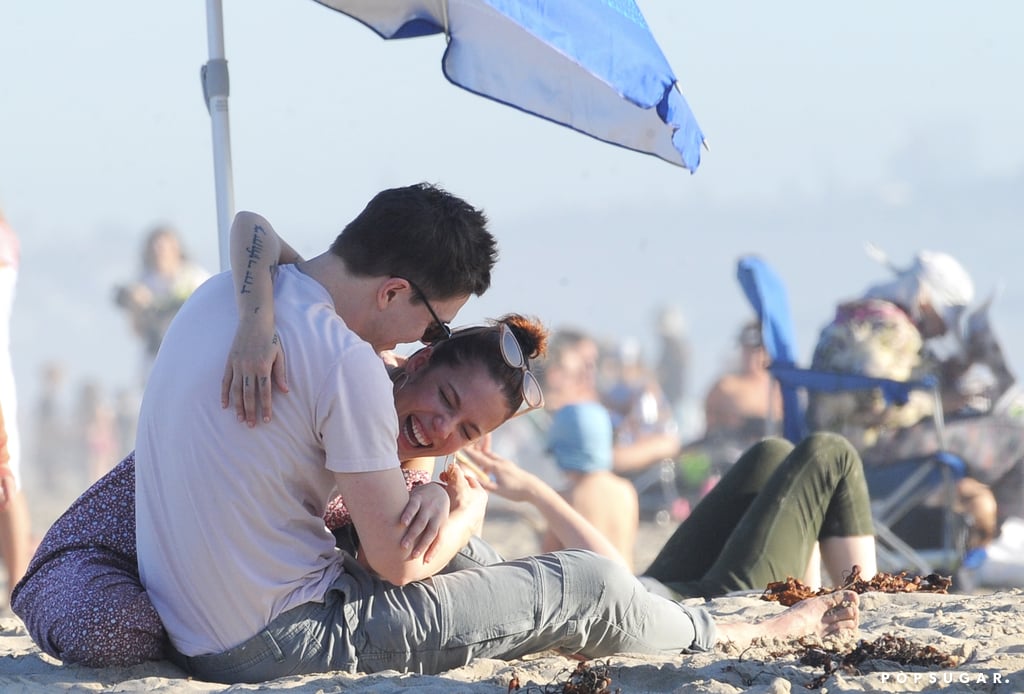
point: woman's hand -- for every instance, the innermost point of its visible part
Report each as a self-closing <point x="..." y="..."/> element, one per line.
<point x="424" y="515"/>
<point x="255" y="363"/>
<point x="506" y="479"/>
<point x="468" y="497"/>
<point x="256" y="360"/>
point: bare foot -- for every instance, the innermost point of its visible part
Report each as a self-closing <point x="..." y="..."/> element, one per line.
<point x="820" y="616"/>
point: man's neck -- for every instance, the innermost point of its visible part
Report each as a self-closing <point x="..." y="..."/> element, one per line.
<point x="354" y="297"/>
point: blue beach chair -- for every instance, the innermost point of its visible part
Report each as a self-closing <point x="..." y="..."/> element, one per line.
<point x="897" y="488"/>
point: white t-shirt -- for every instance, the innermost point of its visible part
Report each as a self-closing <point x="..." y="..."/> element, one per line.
<point x="229" y="519"/>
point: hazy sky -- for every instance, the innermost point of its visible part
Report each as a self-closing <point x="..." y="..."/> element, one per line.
<point x="829" y="125"/>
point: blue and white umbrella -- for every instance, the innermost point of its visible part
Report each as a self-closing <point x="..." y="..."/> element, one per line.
<point x="591" y="65"/>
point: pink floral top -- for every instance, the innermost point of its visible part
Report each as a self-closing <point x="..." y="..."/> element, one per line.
<point x="337" y="515"/>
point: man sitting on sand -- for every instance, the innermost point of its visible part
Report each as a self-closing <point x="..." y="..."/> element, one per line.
<point x="232" y="546"/>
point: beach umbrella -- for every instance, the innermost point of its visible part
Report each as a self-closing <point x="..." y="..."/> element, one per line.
<point x="591" y="65"/>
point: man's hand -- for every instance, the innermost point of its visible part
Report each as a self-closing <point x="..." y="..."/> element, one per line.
<point x="255" y="363"/>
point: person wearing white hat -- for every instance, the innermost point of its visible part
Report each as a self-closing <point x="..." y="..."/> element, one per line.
<point x="893" y="331"/>
<point x="934" y="292"/>
<point x="905" y="328"/>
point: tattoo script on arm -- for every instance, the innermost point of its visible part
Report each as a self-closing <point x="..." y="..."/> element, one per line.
<point x="255" y="252"/>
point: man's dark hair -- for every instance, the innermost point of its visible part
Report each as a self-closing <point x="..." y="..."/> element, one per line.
<point x="423" y="234"/>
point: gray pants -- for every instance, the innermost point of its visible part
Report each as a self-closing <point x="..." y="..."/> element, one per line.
<point x="574" y="601"/>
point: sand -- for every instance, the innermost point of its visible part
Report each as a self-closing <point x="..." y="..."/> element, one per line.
<point x="984" y="632"/>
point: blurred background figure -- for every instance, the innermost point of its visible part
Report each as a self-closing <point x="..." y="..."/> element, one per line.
<point x="742" y="406"/>
<point x="580" y="438"/>
<point x="126" y="414"/>
<point x="903" y="328"/>
<point x="915" y="324"/>
<point x="168" y="277"/>
<point x="672" y="368"/>
<point x="97" y="437"/>
<point x="642" y="416"/>
<point x="745" y="403"/>
<point x="15" y="524"/>
<point x="646" y="433"/>
<point x="50" y="449"/>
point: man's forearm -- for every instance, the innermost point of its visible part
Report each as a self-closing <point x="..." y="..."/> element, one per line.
<point x="451" y="538"/>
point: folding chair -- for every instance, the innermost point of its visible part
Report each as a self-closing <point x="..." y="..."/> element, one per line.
<point x="896" y="488"/>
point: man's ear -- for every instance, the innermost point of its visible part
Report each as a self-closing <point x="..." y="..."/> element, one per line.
<point x="418" y="359"/>
<point x="389" y="289"/>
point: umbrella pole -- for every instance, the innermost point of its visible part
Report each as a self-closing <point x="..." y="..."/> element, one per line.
<point x="214" y="75"/>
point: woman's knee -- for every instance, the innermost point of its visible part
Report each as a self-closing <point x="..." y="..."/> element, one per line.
<point x="614" y="612"/>
<point x="126" y="631"/>
<point x="838" y="473"/>
<point x="86" y="608"/>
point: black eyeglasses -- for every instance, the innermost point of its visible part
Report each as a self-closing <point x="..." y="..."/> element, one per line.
<point x="513" y="356"/>
<point x="434" y="333"/>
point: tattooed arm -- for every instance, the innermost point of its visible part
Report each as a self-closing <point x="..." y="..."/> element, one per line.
<point x="256" y="360"/>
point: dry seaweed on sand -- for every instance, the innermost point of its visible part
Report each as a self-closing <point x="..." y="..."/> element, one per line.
<point x="888" y="647"/>
<point x="792" y="590"/>
<point x="584" y="679"/>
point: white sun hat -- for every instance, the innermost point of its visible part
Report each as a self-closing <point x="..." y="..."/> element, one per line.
<point x="943" y="280"/>
<point x="950" y="289"/>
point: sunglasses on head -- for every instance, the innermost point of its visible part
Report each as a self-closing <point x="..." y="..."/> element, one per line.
<point x="513" y="356"/>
